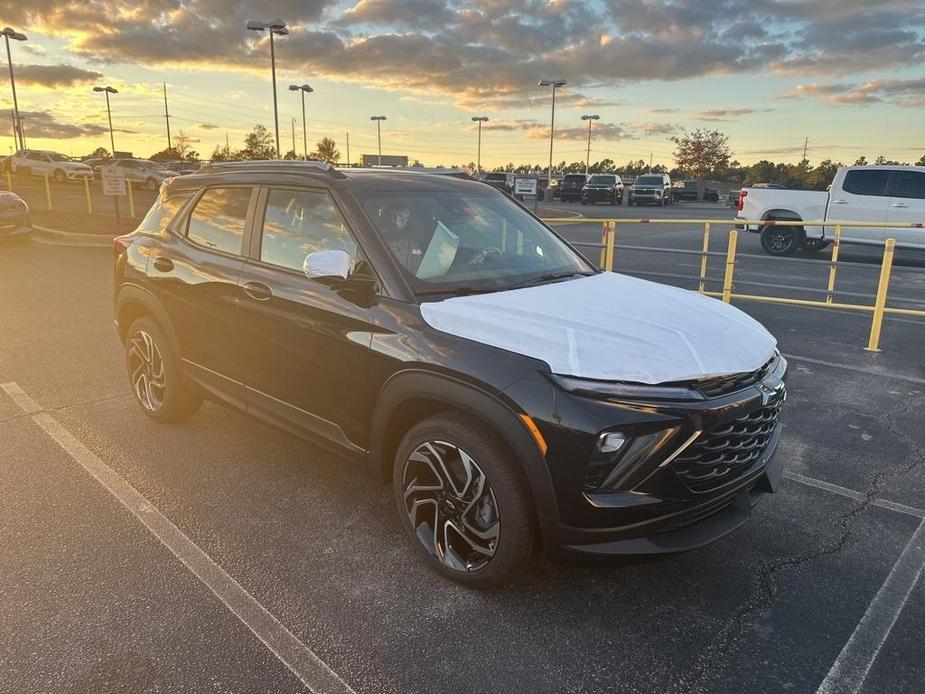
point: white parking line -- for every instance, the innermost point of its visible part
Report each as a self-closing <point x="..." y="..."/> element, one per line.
<point x="850" y="669"/>
<point x="294" y="654"/>
<point x="851" y="494"/>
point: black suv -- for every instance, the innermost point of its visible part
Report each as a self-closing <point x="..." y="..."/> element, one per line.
<point x="572" y="186"/>
<point x="603" y="188"/>
<point x="687" y="191"/>
<point x="441" y="337"/>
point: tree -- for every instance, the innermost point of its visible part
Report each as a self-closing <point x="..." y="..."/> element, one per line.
<point x="169" y="154"/>
<point x="700" y="153"/>
<point x="181" y="145"/>
<point x="326" y="150"/>
<point x="103" y="152"/>
<point x="258" y="144"/>
<point x="290" y="155"/>
<point x="224" y="153"/>
<point x="861" y="161"/>
<point x="921" y="162"/>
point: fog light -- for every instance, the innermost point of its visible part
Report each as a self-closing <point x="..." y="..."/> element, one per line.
<point x="610" y="442"/>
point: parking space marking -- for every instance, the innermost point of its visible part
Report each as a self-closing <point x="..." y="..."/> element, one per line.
<point x="858" y="369"/>
<point x="850" y="669"/>
<point x="294" y="654"/>
<point x="851" y="494"/>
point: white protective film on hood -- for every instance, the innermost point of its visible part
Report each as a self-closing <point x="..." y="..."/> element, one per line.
<point x="611" y="327"/>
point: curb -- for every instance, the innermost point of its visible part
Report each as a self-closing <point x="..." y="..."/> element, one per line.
<point x="68" y="238"/>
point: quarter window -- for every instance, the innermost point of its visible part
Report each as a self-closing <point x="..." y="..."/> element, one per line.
<point x="866" y="181"/>
<point x="217" y="222"/>
<point x="911" y="185"/>
<point x="299" y="222"/>
<point x="161" y="213"/>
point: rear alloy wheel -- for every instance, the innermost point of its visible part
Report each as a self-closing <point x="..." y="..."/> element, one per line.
<point x="781" y="241"/>
<point x="157" y="384"/>
<point x="462" y="501"/>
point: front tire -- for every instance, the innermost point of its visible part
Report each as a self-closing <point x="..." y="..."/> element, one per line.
<point x="160" y="389"/>
<point x="781" y="241"/>
<point x="463" y="501"/>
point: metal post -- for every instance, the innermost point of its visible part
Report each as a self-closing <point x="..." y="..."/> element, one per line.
<point x="830" y="290"/>
<point x="605" y="226"/>
<point x="552" y="130"/>
<point x="275" y="111"/>
<point x="9" y="57"/>
<point x="478" y="156"/>
<point x="876" y="324"/>
<point x="730" y="265"/>
<point x="611" y="243"/>
<point x="112" y="139"/>
<point x="47" y="192"/>
<point x="588" y="158"/>
<point x="348" y="147"/>
<point x="304" y="130"/>
<point x="131" y="199"/>
<point x="703" y="258"/>
<point x="87" y="193"/>
<point x="9" y="181"/>
<point x="166" y="118"/>
<point x="379" y="139"/>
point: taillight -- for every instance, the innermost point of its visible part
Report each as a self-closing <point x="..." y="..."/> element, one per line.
<point x="120" y="245"/>
<point x="741" y="203"/>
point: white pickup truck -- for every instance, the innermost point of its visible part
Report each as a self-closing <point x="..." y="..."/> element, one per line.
<point x="880" y="195"/>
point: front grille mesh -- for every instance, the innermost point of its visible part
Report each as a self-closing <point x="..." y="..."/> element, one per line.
<point x="723" y="453"/>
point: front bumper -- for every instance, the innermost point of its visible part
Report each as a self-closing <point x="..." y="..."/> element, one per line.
<point x="599" y="194"/>
<point x="14" y="225"/>
<point x="645" y="196"/>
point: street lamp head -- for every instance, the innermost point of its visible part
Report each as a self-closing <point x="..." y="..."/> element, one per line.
<point x="377" y="118"/>
<point x="111" y="90"/>
<point x="591" y="117"/>
<point x="300" y="88"/>
<point x="13" y="34"/>
<point x="277" y="26"/>
<point x="481" y="119"/>
<point x="551" y="83"/>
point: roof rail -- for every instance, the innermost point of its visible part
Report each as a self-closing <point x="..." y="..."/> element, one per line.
<point x="271" y="165"/>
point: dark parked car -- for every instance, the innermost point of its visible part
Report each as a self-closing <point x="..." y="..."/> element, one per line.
<point x="374" y="312"/>
<point x="571" y="187"/>
<point x="14" y="216"/>
<point x="603" y="188"/>
<point x="500" y="180"/>
<point x="687" y="191"/>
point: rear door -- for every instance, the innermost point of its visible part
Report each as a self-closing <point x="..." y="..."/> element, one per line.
<point x="194" y="272"/>
<point x="907" y="206"/>
<point x="861" y="197"/>
<point x="306" y="343"/>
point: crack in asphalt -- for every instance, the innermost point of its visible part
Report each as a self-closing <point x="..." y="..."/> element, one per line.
<point x="704" y="672"/>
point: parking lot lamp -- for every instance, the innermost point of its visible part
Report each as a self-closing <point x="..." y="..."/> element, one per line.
<point x="277" y="27"/>
<point x="478" y="159"/>
<point x="107" y="90"/>
<point x="555" y="84"/>
<point x="589" y="118"/>
<point x="379" y="120"/>
<point x="8" y="34"/>
<point x="305" y="89"/>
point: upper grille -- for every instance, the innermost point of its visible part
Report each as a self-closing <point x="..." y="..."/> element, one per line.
<point x="723" y="385"/>
<point x="723" y="453"/>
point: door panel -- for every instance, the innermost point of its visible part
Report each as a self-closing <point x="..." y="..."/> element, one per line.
<point x="907" y="206"/>
<point x="306" y="345"/>
<point x="862" y="198"/>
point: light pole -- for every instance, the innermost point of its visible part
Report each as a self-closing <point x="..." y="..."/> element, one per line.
<point x="8" y="34"/>
<point x="107" y="91"/>
<point x="278" y="27"/>
<point x="555" y="84"/>
<point x="589" y="118"/>
<point x="479" y="120"/>
<point x="305" y="89"/>
<point x="379" y="120"/>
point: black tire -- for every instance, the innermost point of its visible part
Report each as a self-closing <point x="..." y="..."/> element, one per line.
<point x="781" y="241"/>
<point x="503" y="498"/>
<point x="175" y="400"/>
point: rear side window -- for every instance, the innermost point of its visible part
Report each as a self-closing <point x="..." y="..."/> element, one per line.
<point x="911" y="185"/>
<point x="217" y="221"/>
<point x="867" y="181"/>
<point x="299" y="222"/>
<point x="162" y="212"/>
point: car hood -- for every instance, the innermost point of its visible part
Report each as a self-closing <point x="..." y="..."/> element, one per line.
<point x="611" y="327"/>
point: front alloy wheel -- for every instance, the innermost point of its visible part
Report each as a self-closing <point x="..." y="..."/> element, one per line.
<point x="146" y="369"/>
<point x="451" y="506"/>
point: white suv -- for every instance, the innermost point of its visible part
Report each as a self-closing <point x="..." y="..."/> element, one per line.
<point x="45" y="163"/>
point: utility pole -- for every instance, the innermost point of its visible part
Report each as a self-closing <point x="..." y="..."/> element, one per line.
<point x="478" y="156"/>
<point x="167" y="117"/>
<point x="8" y="34"/>
<point x="277" y="27"/>
<point x="379" y="120"/>
<point x="555" y="84"/>
<point x="293" y="138"/>
<point x="348" y="148"/>
<point x="589" y="118"/>
<point x="650" y="162"/>
<point x="805" y="146"/>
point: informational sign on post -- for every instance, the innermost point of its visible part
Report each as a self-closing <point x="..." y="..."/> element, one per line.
<point x="525" y="186"/>
<point x="113" y="178"/>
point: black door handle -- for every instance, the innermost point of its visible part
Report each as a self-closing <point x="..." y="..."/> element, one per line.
<point x="257" y="291"/>
<point x="163" y="264"/>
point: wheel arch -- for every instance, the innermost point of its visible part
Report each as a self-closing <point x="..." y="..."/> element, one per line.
<point x="782" y="214"/>
<point x="133" y="302"/>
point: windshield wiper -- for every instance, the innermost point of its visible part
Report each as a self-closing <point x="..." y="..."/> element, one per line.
<point x="550" y="277"/>
<point x="459" y="291"/>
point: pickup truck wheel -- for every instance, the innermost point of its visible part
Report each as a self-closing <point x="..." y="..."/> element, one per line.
<point x="781" y="241"/>
<point x="462" y="501"/>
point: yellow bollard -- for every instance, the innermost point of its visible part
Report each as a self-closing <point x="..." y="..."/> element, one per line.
<point x="611" y="242"/>
<point x="830" y="290"/>
<point x="87" y="193"/>
<point x="877" y="323"/>
<point x="730" y="265"/>
<point x="131" y="199"/>
<point x="9" y="181"/>
<point x="48" y="193"/>
<point x="703" y="258"/>
<point x="605" y="229"/>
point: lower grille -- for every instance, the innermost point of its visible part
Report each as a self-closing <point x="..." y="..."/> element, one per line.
<point x="725" y="452"/>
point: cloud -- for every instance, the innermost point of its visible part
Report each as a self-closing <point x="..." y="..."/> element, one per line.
<point x="901" y="92"/>
<point x="54" y="75"/>
<point x="727" y="114"/>
<point x="814" y="89"/>
<point x="42" y="124"/>
<point x="650" y="128"/>
<point x="208" y="126"/>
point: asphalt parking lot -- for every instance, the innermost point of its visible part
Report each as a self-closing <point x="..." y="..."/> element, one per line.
<point x="224" y="555"/>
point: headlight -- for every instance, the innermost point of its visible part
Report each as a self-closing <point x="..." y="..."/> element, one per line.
<point x="617" y="390"/>
<point x="620" y="457"/>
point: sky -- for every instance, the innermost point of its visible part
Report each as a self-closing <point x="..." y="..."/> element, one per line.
<point x="848" y="75"/>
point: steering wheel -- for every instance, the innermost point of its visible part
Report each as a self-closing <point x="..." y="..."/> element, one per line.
<point x="485" y="254"/>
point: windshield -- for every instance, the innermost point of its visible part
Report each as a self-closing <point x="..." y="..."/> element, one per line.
<point x="58" y="157"/>
<point x="465" y="242"/>
<point x="574" y="179"/>
<point x="602" y="180"/>
<point x="650" y="181"/>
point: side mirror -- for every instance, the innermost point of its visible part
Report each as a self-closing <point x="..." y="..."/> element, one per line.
<point x="333" y="264"/>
